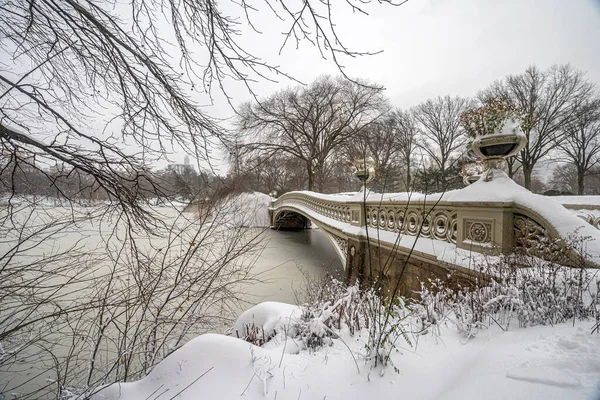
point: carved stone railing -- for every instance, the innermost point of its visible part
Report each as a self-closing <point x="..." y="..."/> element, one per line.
<point x="436" y="221"/>
<point x="427" y="219"/>
<point x="336" y="210"/>
<point x="468" y="226"/>
<point x="490" y="227"/>
<point x="532" y="238"/>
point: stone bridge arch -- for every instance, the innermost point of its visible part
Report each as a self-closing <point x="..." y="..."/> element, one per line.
<point x="292" y="218"/>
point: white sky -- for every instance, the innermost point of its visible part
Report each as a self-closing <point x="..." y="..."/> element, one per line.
<point x="430" y="47"/>
<point x="438" y="47"/>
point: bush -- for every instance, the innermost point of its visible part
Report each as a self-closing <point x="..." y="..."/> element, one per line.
<point x="541" y="294"/>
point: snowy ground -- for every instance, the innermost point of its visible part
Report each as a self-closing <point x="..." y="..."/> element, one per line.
<point x="543" y="362"/>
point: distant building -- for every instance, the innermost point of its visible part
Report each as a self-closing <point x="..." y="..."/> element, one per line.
<point x="181" y="168"/>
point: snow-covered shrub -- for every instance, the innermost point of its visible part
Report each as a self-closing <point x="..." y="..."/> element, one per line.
<point x="332" y="307"/>
<point x="390" y="322"/>
<point x="253" y="334"/>
<point x="433" y="307"/>
<point x="525" y="289"/>
<point x="596" y="328"/>
<point x="335" y="308"/>
<point x="265" y="321"/>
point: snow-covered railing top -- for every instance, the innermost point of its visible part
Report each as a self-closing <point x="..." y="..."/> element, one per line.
<point x="578" y="202"/>
<point x="485" y="217"/>
<point x="585" y="207"/>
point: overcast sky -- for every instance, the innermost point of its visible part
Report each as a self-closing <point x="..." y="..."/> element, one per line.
<point x="438" y="47"/>
<point x="430" y="47"/>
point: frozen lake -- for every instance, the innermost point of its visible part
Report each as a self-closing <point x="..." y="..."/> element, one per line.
<point x="95" y="251"/>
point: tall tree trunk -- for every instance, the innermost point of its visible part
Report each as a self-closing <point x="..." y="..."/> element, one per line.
<point x="311" y="177"/>
<point x="580" y="182"/>
<point x="527" y="172"/>
<point x="510" y="163"/>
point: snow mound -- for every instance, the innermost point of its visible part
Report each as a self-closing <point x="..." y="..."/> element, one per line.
<point x="269" y="317"/>
<point x="244" y="210"/>
<point x="542" y="362"/>
<point x="210" y="366"/>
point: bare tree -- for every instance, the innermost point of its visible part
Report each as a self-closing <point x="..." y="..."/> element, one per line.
<point x="441" y="132"/>
<point x="338" y="176"/>
<point x="91" y="92"/>
<point x="280" y="173"/>
<point x="310" y="122"/>
<point x="580" y="142"/>
<point x="406" y="131"/>
<point x="545" y="100"/>
<point x="563" y="179"/>
<point x="379" y="141"/>
<point x="94" y="61"/>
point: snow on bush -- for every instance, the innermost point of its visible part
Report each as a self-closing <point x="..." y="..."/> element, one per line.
<point x="540" y="294"/>
<point x="333" y="310"/>
<point x="356" y="326"/>
<point x="264" y="321"/>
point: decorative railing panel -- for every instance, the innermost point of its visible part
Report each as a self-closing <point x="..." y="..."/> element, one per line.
<point x="342" y="244"/>
<point x="533" y="239"/>
<point x="337" y="211"/>
<point x="436" y="223"/>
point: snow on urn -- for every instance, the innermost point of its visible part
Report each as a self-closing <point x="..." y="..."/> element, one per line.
<point x="495" y="132"/>
<point x="364" y="169"/>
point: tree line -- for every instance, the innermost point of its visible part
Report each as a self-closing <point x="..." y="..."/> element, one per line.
<point x="303" y="137"/>
<point x="61" y="182"/>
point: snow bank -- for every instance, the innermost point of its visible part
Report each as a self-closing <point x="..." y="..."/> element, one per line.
<point x="210" y="366"/>
<point x="269" y="317"/>
<point x="541" y="362"/>
<point x="244" y="210"/>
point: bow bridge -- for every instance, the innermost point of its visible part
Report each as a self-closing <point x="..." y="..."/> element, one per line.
<point x="448" y="235"/>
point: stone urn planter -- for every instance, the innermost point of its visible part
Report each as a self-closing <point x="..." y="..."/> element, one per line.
<point x="506" y="141"/>
<point x="470" y="153"/>
<point x="364" y="169"/>
<point x="469" y="180"/>
<point x="495" y="133"/>
<point x="472" y="171"/>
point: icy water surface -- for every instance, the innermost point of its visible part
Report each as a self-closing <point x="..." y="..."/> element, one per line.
<point x="283" y="260"/>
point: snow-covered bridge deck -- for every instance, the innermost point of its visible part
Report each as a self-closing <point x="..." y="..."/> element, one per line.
<point x="454" y="230"/>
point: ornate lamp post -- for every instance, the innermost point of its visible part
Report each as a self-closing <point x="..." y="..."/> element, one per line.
<point x="364" y="169"/>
